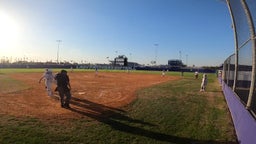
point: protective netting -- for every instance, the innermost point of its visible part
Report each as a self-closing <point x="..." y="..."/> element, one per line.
<point x="239" y="75"/>
<point x="240" y="21"/>
<point x="252" y="6"/>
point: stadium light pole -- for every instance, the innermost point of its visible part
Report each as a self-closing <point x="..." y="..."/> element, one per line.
<point x="58" y="41"/>
<point x="180" y="55"/>
<point x="107" y="58"/>
<point x="186" y="59"/>
<point x="156" y="46"/>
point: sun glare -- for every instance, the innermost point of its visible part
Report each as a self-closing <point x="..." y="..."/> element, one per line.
<point x="9" y="31"/>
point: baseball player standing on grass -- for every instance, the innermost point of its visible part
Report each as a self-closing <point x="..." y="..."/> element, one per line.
<point x="63" y="87"/>
<point x="196" y="75"/>
<point x="163" y="73"/>
<point x="204" y="83"/>
<point x="48" y="78"/>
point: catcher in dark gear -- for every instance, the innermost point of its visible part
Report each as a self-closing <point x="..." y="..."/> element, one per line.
<point x="63" y="87"/>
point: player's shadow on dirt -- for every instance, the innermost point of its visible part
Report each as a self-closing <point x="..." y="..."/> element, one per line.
<point x="117" y="120"/>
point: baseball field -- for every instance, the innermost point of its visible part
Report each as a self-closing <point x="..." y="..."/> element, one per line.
<point x="113" y="107"/>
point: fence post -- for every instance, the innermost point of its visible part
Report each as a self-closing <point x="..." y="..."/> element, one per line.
<point x="228" y="73"/>
<point x="236" y="44"/>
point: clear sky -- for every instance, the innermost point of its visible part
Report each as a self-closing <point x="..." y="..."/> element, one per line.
<point x="197" y="31"/>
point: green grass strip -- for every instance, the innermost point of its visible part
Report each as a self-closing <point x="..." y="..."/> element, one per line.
<point x="8" y="84"/>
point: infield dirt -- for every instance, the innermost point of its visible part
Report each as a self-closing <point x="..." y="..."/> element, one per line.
<point x="92" y="95"/>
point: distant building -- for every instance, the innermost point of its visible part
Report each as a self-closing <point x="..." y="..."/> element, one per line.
<point x="133" y="64"/>
<point x="175" y="64"/>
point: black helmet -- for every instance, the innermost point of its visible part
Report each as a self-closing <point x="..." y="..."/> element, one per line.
<point x="64" y="71"/>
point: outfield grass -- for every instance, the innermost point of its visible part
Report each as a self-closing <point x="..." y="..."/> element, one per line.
<point x="8" y="84"/>
<point x="182" y="111"/>
<point x="173" y="112"/>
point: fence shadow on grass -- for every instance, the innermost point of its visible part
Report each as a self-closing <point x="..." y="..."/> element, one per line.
<point x="117" y="120"/>
<point x="101" y="112"/>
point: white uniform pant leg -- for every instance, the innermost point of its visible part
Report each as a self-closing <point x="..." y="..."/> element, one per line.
<point x="49" y="87"/>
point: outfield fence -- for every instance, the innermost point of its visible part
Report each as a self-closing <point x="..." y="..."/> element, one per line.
<point x="239" y="70"/>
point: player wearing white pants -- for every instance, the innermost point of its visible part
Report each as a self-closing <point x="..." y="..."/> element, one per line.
<point x="204" y="83"/>
<point x="48" y="77"/>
